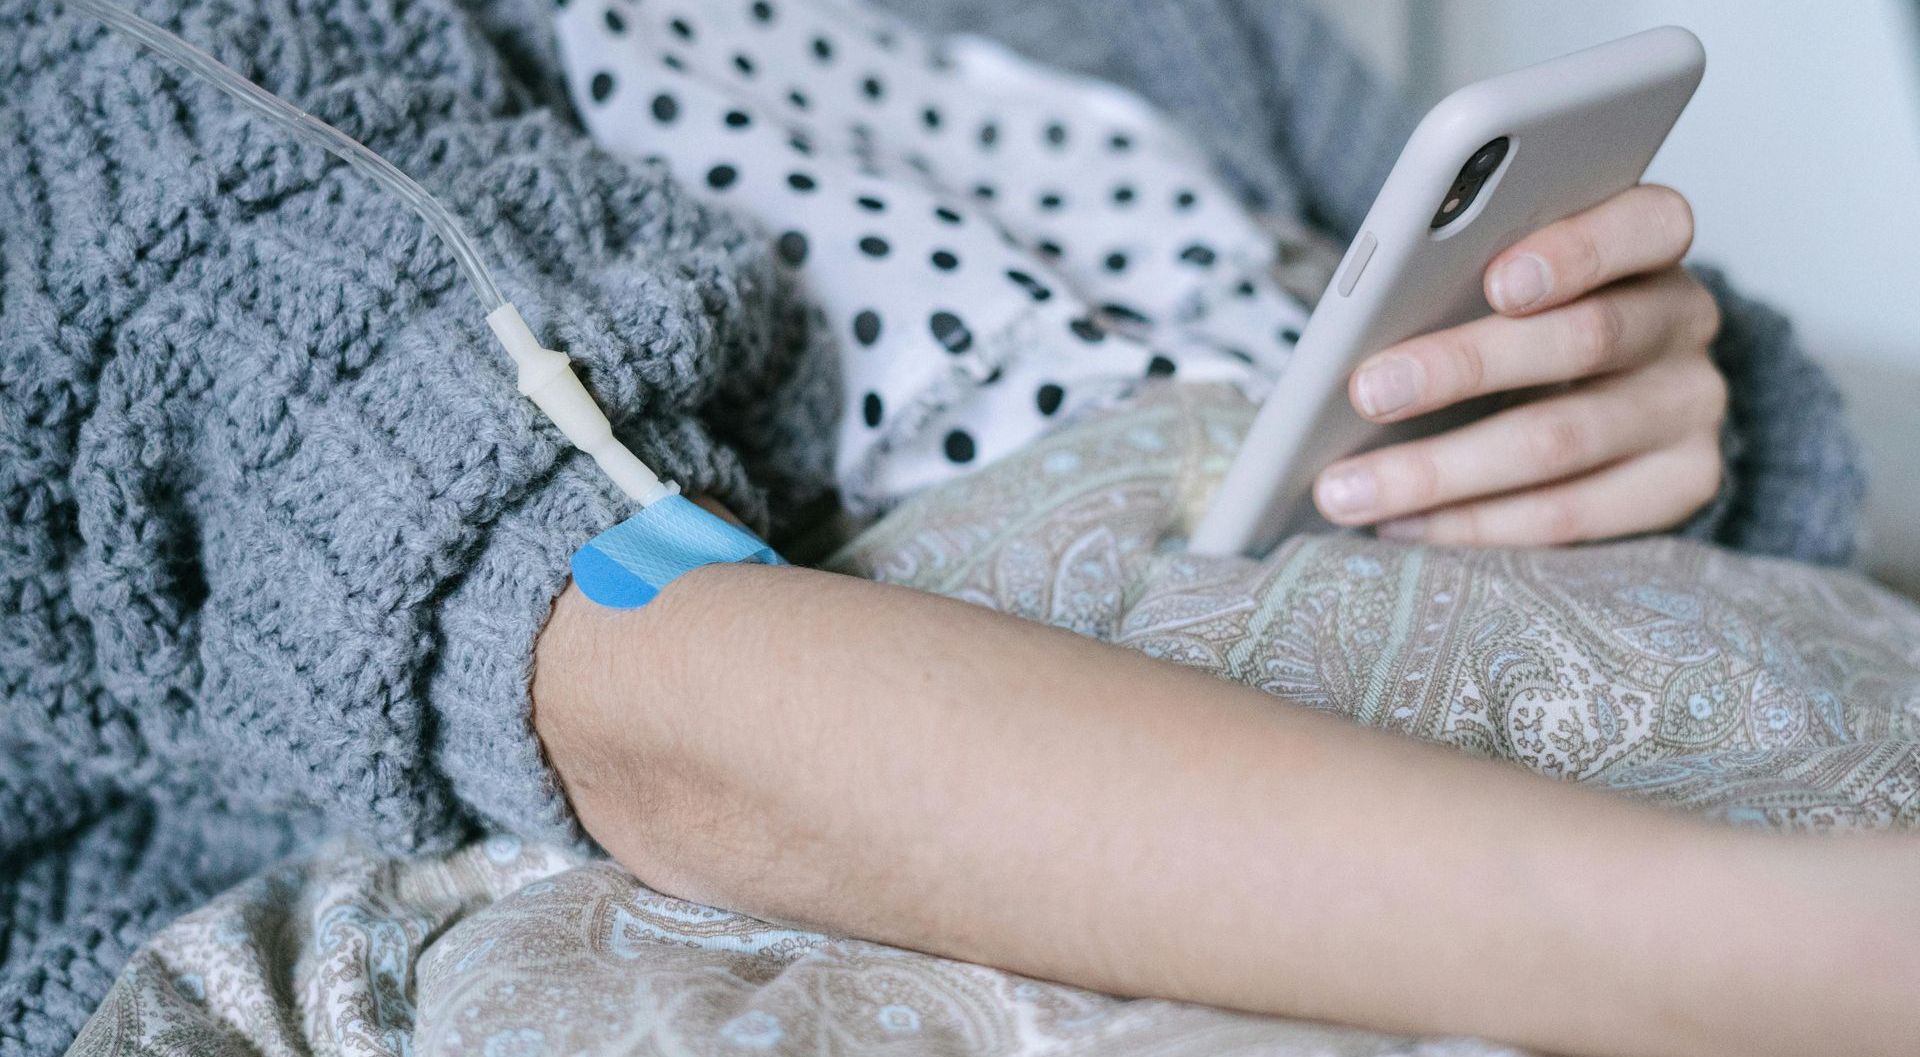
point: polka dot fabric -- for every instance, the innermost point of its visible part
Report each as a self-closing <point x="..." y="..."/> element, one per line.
<point x="996" y="246"/>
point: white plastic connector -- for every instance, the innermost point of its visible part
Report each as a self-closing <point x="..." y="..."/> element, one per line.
<point x="545" y="375"/>
<point x="547" y="378"/>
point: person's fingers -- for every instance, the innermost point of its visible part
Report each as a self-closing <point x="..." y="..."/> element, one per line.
<point x="1547" y="440"/>
<point x="1620" y="327"/>
<point x="1643" y="229"/>
<point x="1647" y="493"/>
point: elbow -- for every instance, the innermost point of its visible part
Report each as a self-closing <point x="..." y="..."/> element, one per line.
<point x="641" y="753"/>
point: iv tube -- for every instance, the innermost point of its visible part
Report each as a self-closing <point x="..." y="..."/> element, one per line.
<point x="311" y="129"/>
<point x="546" y="377"/>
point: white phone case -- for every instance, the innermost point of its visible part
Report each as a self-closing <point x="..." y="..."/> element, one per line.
<point x="1582" y="129"/>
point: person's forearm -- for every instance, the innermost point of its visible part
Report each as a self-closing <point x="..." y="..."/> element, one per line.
<point x="910" y="769"/>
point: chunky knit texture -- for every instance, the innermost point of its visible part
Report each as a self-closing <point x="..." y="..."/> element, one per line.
<point x="276" y="534"/>
<point x="277" y="531"/>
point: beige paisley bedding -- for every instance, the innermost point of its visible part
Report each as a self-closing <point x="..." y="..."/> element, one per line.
<point x="1761" y="692"/>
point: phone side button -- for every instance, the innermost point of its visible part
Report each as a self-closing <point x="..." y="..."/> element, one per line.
<point x="1357" y="262"/>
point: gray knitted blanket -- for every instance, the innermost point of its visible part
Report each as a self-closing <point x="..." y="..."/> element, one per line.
<point x="276" y="535"/>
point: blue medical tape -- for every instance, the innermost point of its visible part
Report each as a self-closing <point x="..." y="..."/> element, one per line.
<point x="625" y="566"/>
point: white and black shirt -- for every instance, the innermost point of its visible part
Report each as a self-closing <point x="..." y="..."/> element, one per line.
<point x="997" y="246"/>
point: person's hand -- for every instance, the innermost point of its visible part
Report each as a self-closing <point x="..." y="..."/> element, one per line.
<point x="1626" y="439"/>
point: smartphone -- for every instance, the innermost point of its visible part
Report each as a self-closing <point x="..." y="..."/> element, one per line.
<point x="1490" y="164"/>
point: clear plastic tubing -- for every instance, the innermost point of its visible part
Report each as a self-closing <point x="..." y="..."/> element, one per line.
<point x="546" y="377"/>
<point x="311" y="129"/>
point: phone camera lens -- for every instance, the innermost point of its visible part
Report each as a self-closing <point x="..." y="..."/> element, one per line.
<point x="1487" y="158"/>
<point x="1472" y="180"/>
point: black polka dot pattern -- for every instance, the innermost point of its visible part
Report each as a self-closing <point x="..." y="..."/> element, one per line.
<point x="1199" y="254"/>
<point x="792" y="248"/>
<point x="1035" y="289"/>
<point x="1048" y="397"/>
<point x="959" y="446"/>
<point x="1077" y="242"/>
<point x="950" y="332"/>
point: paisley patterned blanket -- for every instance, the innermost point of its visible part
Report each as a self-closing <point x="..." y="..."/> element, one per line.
<point x="1761" y="692"/>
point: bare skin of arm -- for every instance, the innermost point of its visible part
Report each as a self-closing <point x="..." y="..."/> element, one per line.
<point x="880" y="762"/>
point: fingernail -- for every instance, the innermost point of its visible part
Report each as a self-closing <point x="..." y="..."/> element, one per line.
<point x="1405" y="530"/>
<point x="1520" y="283"/>
<point x="1347" y="492"/>
<point x="1387" y="385"/>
